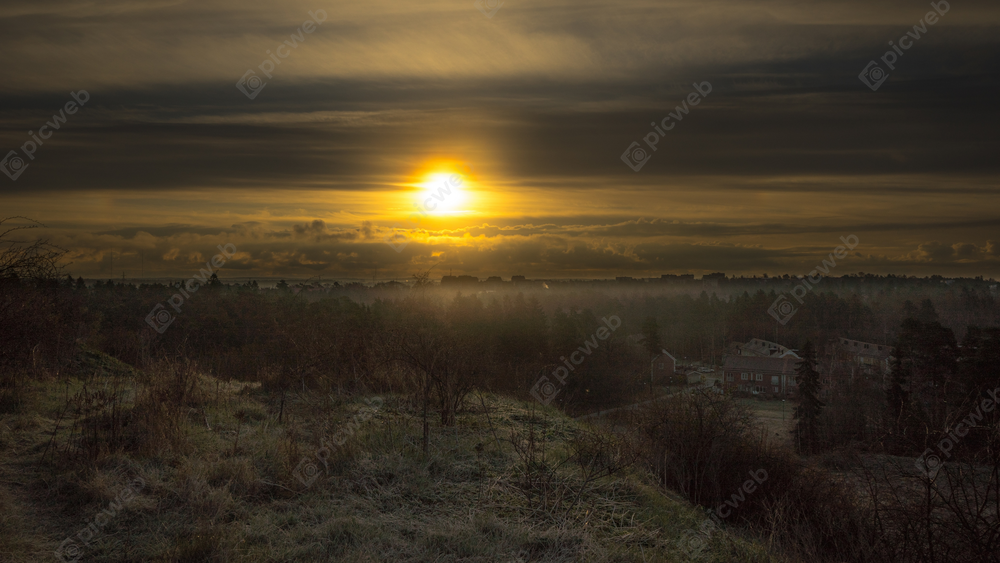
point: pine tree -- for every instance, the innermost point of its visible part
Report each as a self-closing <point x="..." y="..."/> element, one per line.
<point x="927" y="313"/>
<point x="807" y="412"/>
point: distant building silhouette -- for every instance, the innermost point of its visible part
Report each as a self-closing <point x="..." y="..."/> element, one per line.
<point x="675" y="278"/>
<point x="713" y="279"/>
<point x="459" y="280"/>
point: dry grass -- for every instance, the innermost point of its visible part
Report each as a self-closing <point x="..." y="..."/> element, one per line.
<point x="218" y="483"/>
<point x="777" y="419"/>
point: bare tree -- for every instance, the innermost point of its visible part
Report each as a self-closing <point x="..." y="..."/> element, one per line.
<point x="27" y="260"/>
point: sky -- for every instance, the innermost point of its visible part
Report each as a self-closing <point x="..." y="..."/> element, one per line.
<point x="551" y="139"/>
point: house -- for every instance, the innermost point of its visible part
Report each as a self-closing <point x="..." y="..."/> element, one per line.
<point x="761" y="348"/>
<point x="760" y="375"/>
<point x="859" y="357"/>
<point x="662" y="367"/>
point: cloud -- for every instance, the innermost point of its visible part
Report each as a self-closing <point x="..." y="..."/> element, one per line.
<point x="938" y="252"/>
<point x="787" y="153"/>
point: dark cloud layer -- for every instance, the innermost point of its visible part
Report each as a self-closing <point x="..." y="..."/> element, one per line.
<point x="543" y="99"/>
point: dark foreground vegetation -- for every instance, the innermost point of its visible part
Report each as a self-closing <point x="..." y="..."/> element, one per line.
<point x="404" y="424"/>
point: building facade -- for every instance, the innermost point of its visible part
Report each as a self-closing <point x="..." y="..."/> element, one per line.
<point x="662" y="368"/>
<point x="870" y="357"/>
<point x="759" y="375"/>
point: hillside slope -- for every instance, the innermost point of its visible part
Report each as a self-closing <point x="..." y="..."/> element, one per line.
<point x="173" y="465"/>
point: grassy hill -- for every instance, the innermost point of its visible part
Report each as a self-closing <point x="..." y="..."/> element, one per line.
<point x="173" y="465"/>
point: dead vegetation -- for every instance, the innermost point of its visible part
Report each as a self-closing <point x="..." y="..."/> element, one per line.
<point x="215" y="476"/>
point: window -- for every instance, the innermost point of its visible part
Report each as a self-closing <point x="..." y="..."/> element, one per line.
<point x="730" y="377"/>
<point x="774" y="379"/>
<point x="775" y="389"/>
<point x="743" y="376"/>
<point x="760" y="377"/>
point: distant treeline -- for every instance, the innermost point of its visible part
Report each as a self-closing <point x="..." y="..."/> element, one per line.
<point x="344" y="337"/>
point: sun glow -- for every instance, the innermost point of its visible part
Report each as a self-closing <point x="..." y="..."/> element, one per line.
<point x="443" y="189"/>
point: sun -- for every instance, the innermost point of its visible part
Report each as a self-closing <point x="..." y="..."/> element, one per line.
<point x="442" y="193"/>
<point x="443" y="190"/>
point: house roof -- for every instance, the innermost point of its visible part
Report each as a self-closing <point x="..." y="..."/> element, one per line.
<point x="784" y="365"/>
<point x="761" y="347"/>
